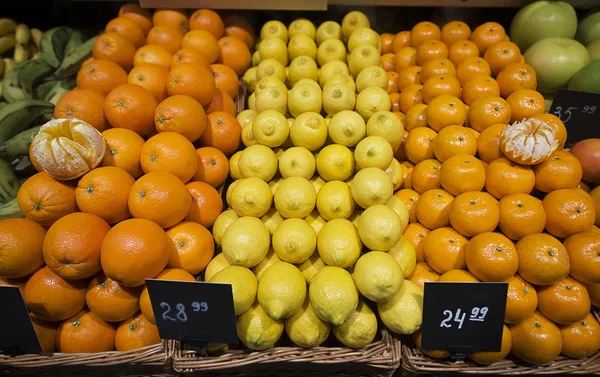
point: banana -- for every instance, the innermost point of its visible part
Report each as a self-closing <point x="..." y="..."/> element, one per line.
<point x="10" y="210"/>
<point x="59" y="89"/>
<point x="8" y="64"/>
<point x="22" y="34"/>
<point x="21" y="53"/>
<point x="19" y="116"/>
<point x="2" y="66"/>
<point x="75" y="40"/>
<point x="73" y="62"/>
<point x="12" y="90"/>
<point x="9" y="184"/>
<point x="31" y="73"/>
<point x="7" y="26"/>
<point x="2" y="104"/>
<point x="53" y="45"/>
<point x="36" y="36"/>
<point x="18" y="145"/>
<point x="42" y="90"/>
<point x="7" y="42"/>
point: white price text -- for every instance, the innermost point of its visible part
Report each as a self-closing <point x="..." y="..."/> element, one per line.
<point x="180" y="313"/>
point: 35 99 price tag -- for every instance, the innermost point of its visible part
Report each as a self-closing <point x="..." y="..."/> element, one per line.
<point x="579" y="111"/>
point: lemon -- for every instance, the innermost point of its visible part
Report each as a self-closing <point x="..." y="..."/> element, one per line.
<point x="371" y="186"/>
<point x="294" y="241"/>
<point x="234" y="170"/>
<point x="255" y="59"/>
<point x="403" y="314"/>
<point x="305" y="329"/>
<point x="398" y="206"/>
<point x="295" y="197"/>
<point x="335" y="162"/>
<point x="359" y="329"/>
<point x="258" y="161"/>
<point x="268" y="82"/>
<point x="251" y="197"/>
<point x="303" y="67"/>
<point x="342" y="78"/>
<point x="378" y="276"/>
<point x="372" y="76"/>
<point x="246" y="117"/>
<point x="311" y="266"/>
<point x="379" y="227"/>
<point x="274" y="184"/>
<point x="331" y="68"/>
<point x="228" y="194"/>
<point x="331" y="49"/>
<point x="257" y="330"/>
<point x="247" y="135"/>
<point x="338" y="243"/>
<point x="302" y="45"/>
<point x="328" y="30"/>
<point x="218" y="263"/>
<point x="309" y="82"/>
<point x="317" y="182"/>
<point x="221" y="223"/>
<point x="394" y="171"/>
<point x="274" y="28"/>
<point x="333" y="295"/>
<point x="270" y="259"/>
<point x="270" y="127"/>
<point x="334" y="201"/>
<point x="272" y="219"/>
<point x="243" y="286"/>
<point x="352" y="21"/>
<point x="315" y="220"/>
<point x="304" y="98"/>
<point x="406" y="256"/>
<point x="250" y="78"/>
<point x="364" y="36"/>
<point x="246" y="242"/>
<point x="279" y="151"/>
<point x="297" y="162"/>
<point x="387" y="125"/>
<point x="273" y="48"/>
<point x="373" y="151"/>
<point x="347" y="128"/>
<point x="302" y="26"/>
<point x="270" y="67"/>
<point x="370" y="101"/>
<point x="309" y="130"/>
<point x="338" y="97"/>
<point x="361" y="58"/>
<point x="252" y="101"/>
<point x="271" y="98"/>
<point x="355" y="217"/>
<point x="281" y="290"/>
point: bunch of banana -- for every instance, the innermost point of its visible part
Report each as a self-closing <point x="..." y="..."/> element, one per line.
<point x="23" y="41"/>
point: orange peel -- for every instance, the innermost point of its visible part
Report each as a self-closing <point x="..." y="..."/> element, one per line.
<point x="529" y="141"/>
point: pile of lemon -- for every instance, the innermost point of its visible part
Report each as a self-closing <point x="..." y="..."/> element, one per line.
<point x="312" y="241"/>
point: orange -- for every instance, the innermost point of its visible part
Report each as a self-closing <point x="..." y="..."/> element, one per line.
<point x="471" y="67"/>
<point x="445" y="110"/>
<point x="21" y="241"/>
<point x="84" y="104"/>
<point x="487" y="111"/>
<point x="419" y="144"/>
<point x="435" y="67"/>
<point x="392" y="82"/>
<point x="559" y="127"/>
<point x="536" y="340"/>
<point x="181" y="114"/>
<point x="562" y="170"/>
<point x="207" y="204"/>
<point x="153" y="54"/>
<point x="166" y="36"/>
<point x="595" y="194"/>
<point x="408" y="76"/>
<point x="110" y="301"/>
<point x="458" y="276"/>
<point x="543" y="260"/>
<point x="410" y="198"/>
<point x="488" y="143"/>
<point x="492" y="357"/>
<point x="226" y="79"/>
<point x="176" y="274"/>
<point x="124" y="148"/>
<point x="132" y="107"/>
<point x="492" y="257"/>
<point x="174" y="18"/>
<point x="473" y="213"/>
<point x="415" y="117"/>
<point x="432" y="209"/>
<point x="386" y="41"/>
<point x="462" y="173"/>
<point x="240" y="28"/>
<point x="85" y="332"/>
<point x="401" y="40"/>
<point x="426" y="176"/>
<point x="416" y="233"/>
<point x="565" y="302"/>
<point x="142" y="17"/>
<point x="45" y="332"/>
<point x="395" y="101"/>
<point x="101" y="76"/>
<point x="452" y="141"/>
<point x="203" y="41"/>
<point x="526" y="103"/>
<point x="388" y="62"/>
<point x="116" y="48"/>
<point x="151" y="77"/>
<point x="422" y="274"/>
<point x="45" y="200"/>
<point x="479" y="87"/>
<point x="504" y="177"/>
<point x="516" y="76"/>
<point x="521" y="300"/>
<point x="455" y="31"/>
<point x="424" y="31"/>
<point x="594" y="291"/>
<point x="417" y="337"/>
<point x="431" y="49"/>
<point x="135" y="249"/>
<point x="407" y="168"/>
<point x="440" y="85"/>
<point x="584" y="254"/>
<point x="460" y="51"/>
<point x="206" y="19"/>
<point x="488" y="34"/>
<point x="405" y="57"/>
<point x="444" y="250"/>
<point x="501" y="54"/>
<point x="521" y="215"/>
<point x="410" y="96"/>
<point x="50" y="297"/>
<point x="222" y="132"/>
<point x="400" y="151"/>
<point x="193" y="247"/>
<point x="213" y="166"/>
<point x="188" y="55"/>
<point x="192" y="80"/>
<point x="581" y="339"/>
<point x="568" y="212"/>
<point x="136" y="332"/>
<point x="127" y="28"/>
<point x="528" y="142"/>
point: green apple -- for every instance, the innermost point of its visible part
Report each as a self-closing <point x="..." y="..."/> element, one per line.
<point x="594" y="50"/>
<point x="543" y="19"/>
<point x="587" y="79"/>
<point x="588" y="29"/>
<point x="555" y="61"/>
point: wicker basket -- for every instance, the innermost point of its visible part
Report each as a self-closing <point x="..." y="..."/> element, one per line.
<point x="414" y="362"/>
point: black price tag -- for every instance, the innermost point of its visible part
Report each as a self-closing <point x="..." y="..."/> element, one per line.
<point x="463" y="317"/>
<point x="579" y="111"/>
<point x="17" y="334"/>
<point x="196" y="313"/>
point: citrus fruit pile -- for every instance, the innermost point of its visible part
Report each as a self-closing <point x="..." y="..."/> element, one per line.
<point x="492" y="195"/>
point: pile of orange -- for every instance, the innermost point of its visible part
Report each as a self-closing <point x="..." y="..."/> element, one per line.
<point x="479" y="214"/>
<point x="160" y="87"/>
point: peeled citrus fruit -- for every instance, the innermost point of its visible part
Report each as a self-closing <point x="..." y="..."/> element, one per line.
<point x="528" y="142"/>
<point x="68" y="148"/>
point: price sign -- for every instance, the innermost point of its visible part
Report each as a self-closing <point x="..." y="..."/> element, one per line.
<point x="463" y="317"/>
<point x="579" y="111"/>
<point x="16" y="330"/>
<point x="195" y="313"/>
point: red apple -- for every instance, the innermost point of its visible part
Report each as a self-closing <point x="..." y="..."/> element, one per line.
<point x="588" y="153"/>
